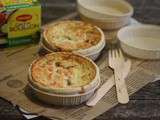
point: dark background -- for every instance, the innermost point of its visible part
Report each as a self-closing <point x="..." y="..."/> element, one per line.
<point x="145" y="104"/>
<point x="146" y="11"/>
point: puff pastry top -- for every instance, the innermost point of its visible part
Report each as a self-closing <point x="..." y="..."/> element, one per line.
<point x="72" y="35"/>
<point x="62" y="70"/>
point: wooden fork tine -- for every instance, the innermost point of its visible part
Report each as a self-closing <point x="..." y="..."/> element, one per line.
<point x="116" y="53"/>
<point x="120" y="53"/>
<point x="112" y="53"/>
<point x="110" y="56"/>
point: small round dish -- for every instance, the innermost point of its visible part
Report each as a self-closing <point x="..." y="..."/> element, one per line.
<point x="105" y="8"/>
<point x="63" y="100"/>
<point x="106" y="14"/>
<point x="141" y="41"/>
<point x="63" y="73"/>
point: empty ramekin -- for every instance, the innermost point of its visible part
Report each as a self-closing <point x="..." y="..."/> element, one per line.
<point x="106" y="14"/>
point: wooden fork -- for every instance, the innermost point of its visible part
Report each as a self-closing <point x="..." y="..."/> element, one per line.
<point x="116" y="62"/>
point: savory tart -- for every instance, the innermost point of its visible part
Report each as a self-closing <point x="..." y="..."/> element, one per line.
<point x="72" y="35"/>
<point x="60" y="71"/>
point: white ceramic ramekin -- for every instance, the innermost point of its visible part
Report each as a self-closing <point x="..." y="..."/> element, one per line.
<point x="102" y="9"/>
<point x="141" y="41"/>
<point x="91" y="11"/>
<point x="63" y="100"/>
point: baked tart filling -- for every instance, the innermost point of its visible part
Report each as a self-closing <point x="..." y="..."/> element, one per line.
<point x="62" y="70"/>
<point x="72" y="35"/>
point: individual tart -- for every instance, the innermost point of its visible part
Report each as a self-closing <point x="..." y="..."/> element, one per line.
<point x="63" y="73"/>
<point x="74" y="35"/>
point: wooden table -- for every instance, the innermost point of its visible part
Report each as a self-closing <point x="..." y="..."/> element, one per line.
<point x="143" y="104"/>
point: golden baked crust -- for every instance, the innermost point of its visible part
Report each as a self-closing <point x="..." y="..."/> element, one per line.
<point x="62" y="70"/>
<point x="72" y="35"/>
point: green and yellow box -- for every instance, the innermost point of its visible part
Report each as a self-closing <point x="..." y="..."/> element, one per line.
<point x="20" y="21"/>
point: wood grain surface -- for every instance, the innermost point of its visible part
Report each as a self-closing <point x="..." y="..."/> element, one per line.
<point x="144" y="105"/>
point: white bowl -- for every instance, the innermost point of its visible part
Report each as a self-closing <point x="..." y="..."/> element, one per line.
<point x="106" y="14"/>
<point x="105" y="8"/>
<point x="63" y="100"/>
<point x="141" y="41"/>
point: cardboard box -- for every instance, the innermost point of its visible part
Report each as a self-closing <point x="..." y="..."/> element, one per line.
<point x="20" y="21"/>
